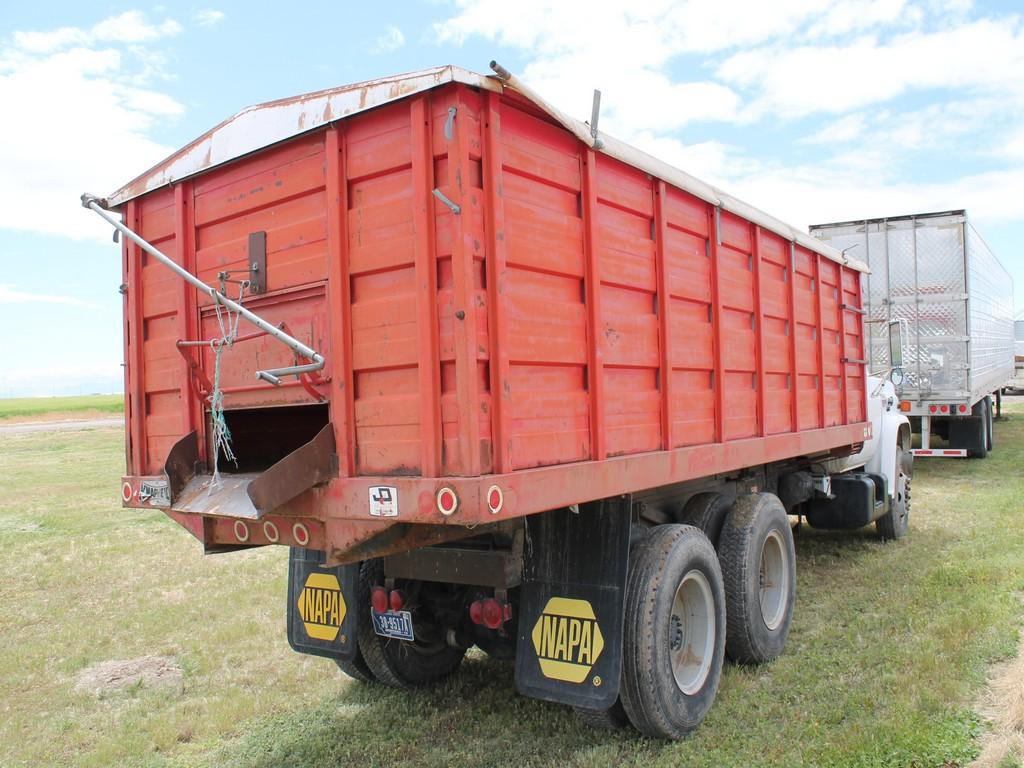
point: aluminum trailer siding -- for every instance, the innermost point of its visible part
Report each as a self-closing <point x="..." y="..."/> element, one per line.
<point x="936" y="273"/>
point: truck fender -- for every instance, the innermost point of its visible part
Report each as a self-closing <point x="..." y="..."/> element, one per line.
<point x="894" y="433"/>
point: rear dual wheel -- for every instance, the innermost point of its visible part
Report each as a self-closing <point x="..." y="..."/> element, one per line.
<point x="674" y="639"/>
<point x="399" y="663"/>
<point x="759" y="568"/>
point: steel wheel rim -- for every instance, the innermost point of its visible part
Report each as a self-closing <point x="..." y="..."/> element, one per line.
<point x="773" y="580"/>
<point x="691" y="632"/>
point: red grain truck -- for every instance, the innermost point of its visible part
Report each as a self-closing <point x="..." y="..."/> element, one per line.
<point x="503" y="381"/>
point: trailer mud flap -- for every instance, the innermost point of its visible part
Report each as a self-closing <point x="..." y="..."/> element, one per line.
<point x="572" y="601"/>
<point x="322" y="611"/>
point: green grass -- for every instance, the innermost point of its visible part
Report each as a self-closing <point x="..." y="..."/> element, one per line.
<point x="24" y="408"/>
<point x="887" y="657"/>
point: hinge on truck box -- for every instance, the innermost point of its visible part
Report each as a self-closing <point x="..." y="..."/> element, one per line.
<point x="257" y="262"/>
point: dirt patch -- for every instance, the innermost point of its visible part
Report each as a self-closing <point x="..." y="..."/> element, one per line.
<point x="112" y="676"/>
<point x="1003" y="705"/>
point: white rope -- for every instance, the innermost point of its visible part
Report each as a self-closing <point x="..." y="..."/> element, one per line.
<point x="228" y="326"/>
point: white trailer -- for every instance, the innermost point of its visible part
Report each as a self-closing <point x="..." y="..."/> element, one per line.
<point x="934" y="273"/>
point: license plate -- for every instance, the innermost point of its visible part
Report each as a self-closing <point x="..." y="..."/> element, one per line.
<point x="396" y="624"/>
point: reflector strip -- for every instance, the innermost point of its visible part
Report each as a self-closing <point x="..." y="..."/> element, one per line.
<point x="953" y="452"/>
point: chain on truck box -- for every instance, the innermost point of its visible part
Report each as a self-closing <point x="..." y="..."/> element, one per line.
<point x="499" y="380"/>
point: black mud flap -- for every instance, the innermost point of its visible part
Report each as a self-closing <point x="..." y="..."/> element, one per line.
<point x="322" y="611"/>
<point x="572" y="602"/>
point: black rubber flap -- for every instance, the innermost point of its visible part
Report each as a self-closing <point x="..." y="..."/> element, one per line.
<point x="570" y="623"/>
<point x="322" y="611"/>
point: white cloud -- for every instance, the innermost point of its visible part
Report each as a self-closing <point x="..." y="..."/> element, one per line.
<point x="209" y="17"/>
<point x="986" y="54"/>
<point x="128" y="27"/>
<point x="10" y="295"/>
<point x="391" y="40"/>
<point x="843" y="130"/>
<point x="98" y="138"/>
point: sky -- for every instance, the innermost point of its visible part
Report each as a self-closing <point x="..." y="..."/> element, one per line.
<point x="814" y="110"/>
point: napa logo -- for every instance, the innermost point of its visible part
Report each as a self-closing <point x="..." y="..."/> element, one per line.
<point x="322" y="606"/>
<point x="567" y="639"/>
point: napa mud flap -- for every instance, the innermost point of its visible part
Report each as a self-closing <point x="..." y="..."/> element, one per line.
<point x="322" y="611"/>
<point x="572" y="602"/>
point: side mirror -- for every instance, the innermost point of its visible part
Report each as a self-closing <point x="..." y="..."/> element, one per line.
<point x="895" y="343"/>
<point x="896" y="353"/>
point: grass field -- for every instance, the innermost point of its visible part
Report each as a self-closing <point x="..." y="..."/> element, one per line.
<point x="20" y="409"/>
<point x="885" y="666"/>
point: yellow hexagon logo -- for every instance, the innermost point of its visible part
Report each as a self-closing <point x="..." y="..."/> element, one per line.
<point x="322" y="606"/>
<point x="567" y="639"/>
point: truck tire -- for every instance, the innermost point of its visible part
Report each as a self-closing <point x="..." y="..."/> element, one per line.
<point x="357" y="668"/>
<point x="707" y="512"/>
<point x="990" y="441"/>
<point x="610" y="719"/>
<point x="759" y="568"/>
<point x="978" y="441"/>
<point x="894" y="523"/>
<point x="674" y="639"/>
<point x="398" y="663"/>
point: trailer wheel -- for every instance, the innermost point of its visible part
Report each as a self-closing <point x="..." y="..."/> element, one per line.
<point x="991" y="422"/>
<point x="398" y="663"/>
<point x="980" y="427"/>
<point x="613" y="718"/>
<point x="895" y="523"/>
<point x="707" y="512"/>
<point x="673" y="643"/>
<point x="759" y="568"/>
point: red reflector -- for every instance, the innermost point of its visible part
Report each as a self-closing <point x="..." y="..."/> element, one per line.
<point x="476" y="612"/>
<point x="447" y="501"/>
<point x="493" y="614"/>
<point x="932" y="408"/>
<point x="495" y="499"/>
<point x="963" y="409"/>
<point x="944" y="408"/>
<point x="396" y="600"/>
<point x="379" y="599"/>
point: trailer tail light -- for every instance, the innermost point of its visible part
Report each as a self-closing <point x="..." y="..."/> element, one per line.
<point x="396" y="600"/>
<point x="933" y="408"/>
<point x="495" y="499"/>
<point x="963" y="409"/>
<point x="905" y="406"/>
<point x="447" y="501"/>
<point x="944" y="408"/>
<point x="379" y="599"/>
<point x="490" y="613"/>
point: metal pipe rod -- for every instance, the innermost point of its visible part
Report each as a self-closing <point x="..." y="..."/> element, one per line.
<point x="93" y="202"/>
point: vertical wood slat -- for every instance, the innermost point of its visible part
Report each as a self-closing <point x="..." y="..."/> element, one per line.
<point x="136" y="360"/>
<point x="127" y="291"/>
<point x="820" y="345"/>
<point x="188" y="323"/>
<point x="841" y="316"/>
<point x="716" y="323"/>
<point x="464" y="294"/>
<point x="759" y="329"/>
<point x="494" y="222"/>
<point x="664" y="306"/>
<point x="864" y="353"/>
<point x="339" y="300"/>
<point x="425" y="261"/>
<point x="592" y="288"/>
<point x="794" y="378"/>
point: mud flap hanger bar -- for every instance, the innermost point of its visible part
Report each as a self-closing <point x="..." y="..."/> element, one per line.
<point x="273" y="375"/>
